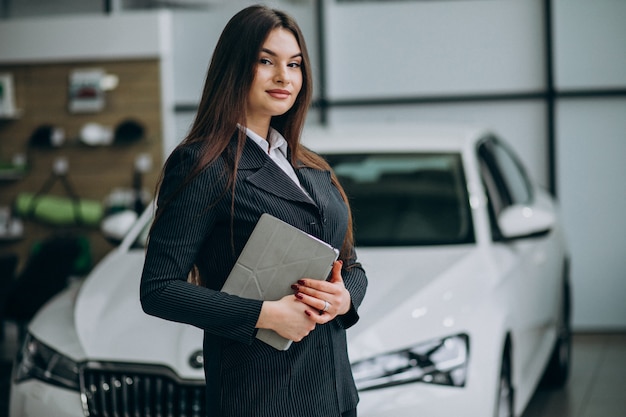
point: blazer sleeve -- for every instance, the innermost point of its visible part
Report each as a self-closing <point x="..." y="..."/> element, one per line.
<point x="175" y="240"/>
<point x="355" y="280"/>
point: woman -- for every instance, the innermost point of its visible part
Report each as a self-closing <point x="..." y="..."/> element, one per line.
<point x="242" y="158"/>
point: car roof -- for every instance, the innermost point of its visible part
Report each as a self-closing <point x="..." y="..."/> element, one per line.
<point x="391" y="137"/>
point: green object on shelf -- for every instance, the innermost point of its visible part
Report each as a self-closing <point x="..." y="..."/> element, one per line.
<point x="59" y="211"/>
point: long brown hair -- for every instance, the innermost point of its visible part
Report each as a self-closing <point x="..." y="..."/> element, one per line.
<point x="228" y="82"/>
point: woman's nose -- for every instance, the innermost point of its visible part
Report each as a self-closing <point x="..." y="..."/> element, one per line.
<point x="281" y="75"/>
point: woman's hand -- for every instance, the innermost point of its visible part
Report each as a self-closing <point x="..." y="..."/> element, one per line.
<point x="288" y="317"/>
<point x="325" y="299"/>
<point x="315" y="302"/>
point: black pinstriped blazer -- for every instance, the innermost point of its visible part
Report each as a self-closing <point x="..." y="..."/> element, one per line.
<point x="245" y="377"/>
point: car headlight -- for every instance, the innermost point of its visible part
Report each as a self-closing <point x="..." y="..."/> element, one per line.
<point x="441" y="361"/>
<point x="35" y="360"/>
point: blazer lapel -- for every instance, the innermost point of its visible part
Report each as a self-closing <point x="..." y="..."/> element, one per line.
<point x="268" y="176"/>
<point x="317" y="184"/>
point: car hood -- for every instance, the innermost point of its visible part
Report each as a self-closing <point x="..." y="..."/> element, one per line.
<point x="399" y="273"/>
<point x="414" y="294"/>
<point x="111" y="325"/>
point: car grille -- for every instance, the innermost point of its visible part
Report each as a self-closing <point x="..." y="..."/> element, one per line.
<point x="131" y="390"/>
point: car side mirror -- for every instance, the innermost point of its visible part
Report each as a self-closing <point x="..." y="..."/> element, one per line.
<point x="116" y="226"/>
<point x="519" y="221"/>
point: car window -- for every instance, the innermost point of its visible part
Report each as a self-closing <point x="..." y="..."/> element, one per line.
<point x="505" y="173"/>
<point x="514" y="176"/>
<point x="405" y="199"/>
<point x="504" y="178"/>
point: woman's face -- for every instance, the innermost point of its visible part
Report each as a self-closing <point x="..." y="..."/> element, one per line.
<point x="277" y="80"/>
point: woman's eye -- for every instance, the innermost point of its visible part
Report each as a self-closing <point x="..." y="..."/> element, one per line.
<point x="295" y="65"/>
<point x="265" y="61"/>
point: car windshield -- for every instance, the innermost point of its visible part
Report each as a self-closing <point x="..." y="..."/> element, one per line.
<point x="400" y="199"/>
<point x="405" y="199"/>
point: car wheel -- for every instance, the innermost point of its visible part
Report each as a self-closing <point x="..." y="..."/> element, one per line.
<point x="557" y="371"/>
<point x="505" y="392"/>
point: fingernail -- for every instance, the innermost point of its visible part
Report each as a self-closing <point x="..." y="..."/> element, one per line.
<point x="307" y="312"/>
<point x="301" y="281"/>
<point x="294" y="287"/>
<point x="299" y="296"/>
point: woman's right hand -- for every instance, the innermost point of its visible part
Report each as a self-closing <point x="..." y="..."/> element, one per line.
<point x="287" y="317"/>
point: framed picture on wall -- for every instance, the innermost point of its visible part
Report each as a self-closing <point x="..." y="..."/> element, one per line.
<point x="7" y="96"/>
<point x="86" y="94"/>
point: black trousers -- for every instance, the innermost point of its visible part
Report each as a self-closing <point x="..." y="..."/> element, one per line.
<point x="351" y="413"/>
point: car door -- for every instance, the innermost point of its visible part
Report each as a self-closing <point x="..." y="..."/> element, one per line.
<point x="530" y="291"/>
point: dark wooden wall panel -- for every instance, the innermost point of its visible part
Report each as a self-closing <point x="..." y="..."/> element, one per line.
<point x="42" y="96"/>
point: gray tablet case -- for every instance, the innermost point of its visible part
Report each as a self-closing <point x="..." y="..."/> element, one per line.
<point x="276" y="256"/>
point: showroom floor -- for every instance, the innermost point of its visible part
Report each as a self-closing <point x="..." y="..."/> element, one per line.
<point x="596" y="387"/>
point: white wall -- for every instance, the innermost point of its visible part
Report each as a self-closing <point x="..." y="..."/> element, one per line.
<point x="30" y="8"/>
<point x="590" y="53"/>
<point x="397" y="49"/>
<point x="591" y="175"/>
<point x="88" y="37"/>
<point x="590" y="47"/>
<point x="195" y="35"/>
<point x="428" y="49"/>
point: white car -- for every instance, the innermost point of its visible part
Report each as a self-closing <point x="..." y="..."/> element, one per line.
<point x="467" y="309"/>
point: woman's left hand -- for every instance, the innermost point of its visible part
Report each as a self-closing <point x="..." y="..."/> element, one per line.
<point x="327" y="299"/>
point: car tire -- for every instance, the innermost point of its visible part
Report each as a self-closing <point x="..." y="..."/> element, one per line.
<point x="505" y="398"/>
<point x="557" y="370"/>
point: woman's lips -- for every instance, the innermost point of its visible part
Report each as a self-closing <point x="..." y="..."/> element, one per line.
<point x="280" y="94"/>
